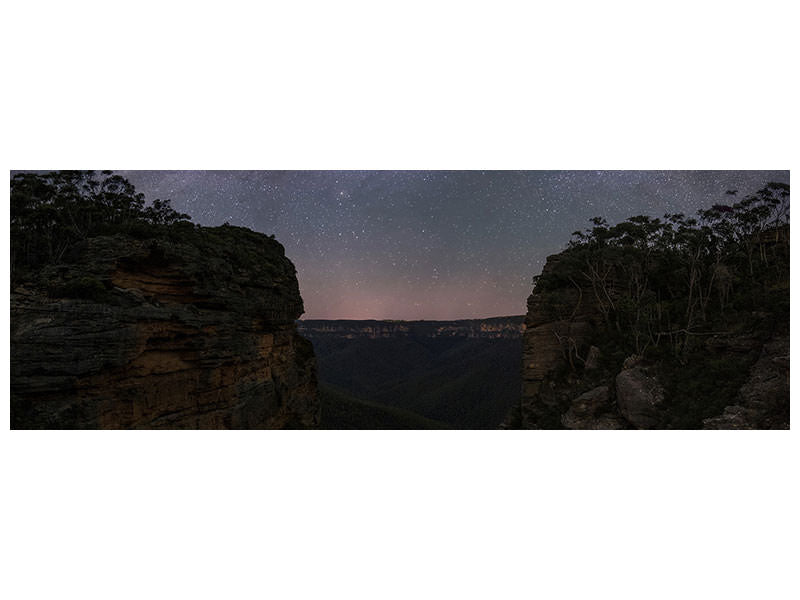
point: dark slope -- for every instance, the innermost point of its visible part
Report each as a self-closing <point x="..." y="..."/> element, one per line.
<point x="343" y="411"/>
<point x="465" y="382"/>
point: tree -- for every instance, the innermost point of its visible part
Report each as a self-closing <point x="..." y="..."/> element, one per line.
<point x="655" y="279"/>
<point x="161" y="213"/>
<point x="51" y="211"/>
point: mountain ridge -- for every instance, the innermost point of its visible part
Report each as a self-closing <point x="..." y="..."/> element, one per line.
<point x="508" y="327"/>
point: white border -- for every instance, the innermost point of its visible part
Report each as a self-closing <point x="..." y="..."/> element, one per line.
<point x="512" y="85"/>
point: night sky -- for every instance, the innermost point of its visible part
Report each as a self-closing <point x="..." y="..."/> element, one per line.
<point x="430" y="244"/>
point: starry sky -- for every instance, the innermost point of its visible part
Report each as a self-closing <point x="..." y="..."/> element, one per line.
<point x="430" y="244"/>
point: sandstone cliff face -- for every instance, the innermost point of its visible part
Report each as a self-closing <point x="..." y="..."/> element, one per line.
<point x="193" y="331"/>
<point x="552" y="338"/>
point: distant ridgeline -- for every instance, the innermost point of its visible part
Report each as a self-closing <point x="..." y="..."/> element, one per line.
<point x="491" y="328"/>
<point x="127" y="315"/>
<point x="664" y="323"/>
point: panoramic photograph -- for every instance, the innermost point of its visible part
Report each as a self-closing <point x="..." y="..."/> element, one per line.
<point x="399" y="299"/>
<point x="432" y="300"/>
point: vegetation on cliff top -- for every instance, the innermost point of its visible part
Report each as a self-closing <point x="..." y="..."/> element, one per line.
<point x="52" y="213"/>
<point x="664" y="288"/>
<point x="667" y="281"/>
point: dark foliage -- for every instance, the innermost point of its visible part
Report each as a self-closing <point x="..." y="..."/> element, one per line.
<point x="667" y="282"/>
<point x="463" y="382"/>
<point x="665" y="288"/>
<point x="51" y="212"/>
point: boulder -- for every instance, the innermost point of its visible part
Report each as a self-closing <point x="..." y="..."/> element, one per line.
<point x="640" y="397"/>
<point x="592" y="410"/>
<point x="591" y="402"/>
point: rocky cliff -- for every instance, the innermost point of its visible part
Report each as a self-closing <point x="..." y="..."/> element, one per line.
<point x="577" y="374"/>
<point x="559" y="327"/>
<point x="194" y="328"/>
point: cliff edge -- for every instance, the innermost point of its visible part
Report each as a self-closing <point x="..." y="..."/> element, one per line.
<point x="190" y="328"/>
<point x="577" y="375"/>
<point x="664" y="324"/>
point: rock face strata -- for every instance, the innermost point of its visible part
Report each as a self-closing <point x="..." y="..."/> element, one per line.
<point x="552" y="338"/>
<point x="189" y="331"/>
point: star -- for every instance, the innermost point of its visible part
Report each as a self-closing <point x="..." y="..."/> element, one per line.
<point x="431" y="244"/>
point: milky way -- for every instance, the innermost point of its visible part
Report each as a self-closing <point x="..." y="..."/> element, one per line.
<point x="430" y="244"/>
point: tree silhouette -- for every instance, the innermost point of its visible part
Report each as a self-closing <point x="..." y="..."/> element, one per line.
<point x="672" y="278"/>
<point x="51" y="211"/>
